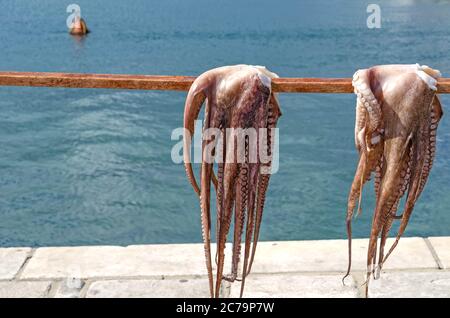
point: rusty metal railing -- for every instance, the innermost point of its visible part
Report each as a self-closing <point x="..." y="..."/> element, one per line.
<point x="177" y="83"/>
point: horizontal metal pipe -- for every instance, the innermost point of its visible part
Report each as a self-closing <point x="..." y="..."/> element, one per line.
<point x="177" y="83"/>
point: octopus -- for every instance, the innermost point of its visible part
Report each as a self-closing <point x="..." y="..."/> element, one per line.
<point x="397" y="116"/>
<point x="79" y="27"/>
<point x="239" y="100"/>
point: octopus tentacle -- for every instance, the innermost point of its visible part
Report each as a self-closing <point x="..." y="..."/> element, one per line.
<point x="263" y="183"/>
<point x="196" y="96"/>
<point x="260" y="198"/>
<point x="351" y="204"/>
<point x="220" y="186"/>
<point x="418" y="164"/>
<point x="219" y="202"/>
<point x="390" y="193"/>
<point x="230" y="174"/>
<point x="253" y="174"/>
<point x="368" y="140"/>
<point x="435" y="116"/>
<point x="396" y="180"/>
<point x="206" y="219"/>
<point x="272" y="119"/>
<point x="240" y="208"/>
<point x="384" y="235"/>
<point x="377" y="182"/>
<point x="409" y="205"/>
<point x="368" y="162"/>
<point x="360" y="123"/>
<point x="391" y="216"/>
<point x="361" y="83"/>
<point x="194" y="100"/>
<point x="205" y="204"/>
<point x="417" y="187"/>
<point x="214" y="179"/>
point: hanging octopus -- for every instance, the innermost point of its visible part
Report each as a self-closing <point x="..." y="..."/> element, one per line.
<point x="237" y="97"/>
<point x="397" y="115"/>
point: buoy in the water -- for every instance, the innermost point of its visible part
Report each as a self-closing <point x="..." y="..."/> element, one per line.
<point x="79" y="27"/>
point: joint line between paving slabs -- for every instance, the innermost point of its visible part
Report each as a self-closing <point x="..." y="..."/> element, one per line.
<point x="53" y="289"/>
<point x="434" y="253"/>
<point x="24" y="264"/>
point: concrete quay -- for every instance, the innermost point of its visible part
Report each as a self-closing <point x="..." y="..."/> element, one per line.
<point x="419" y="267"/>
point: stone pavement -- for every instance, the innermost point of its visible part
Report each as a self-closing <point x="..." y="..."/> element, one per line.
<point x="419" y="267"/>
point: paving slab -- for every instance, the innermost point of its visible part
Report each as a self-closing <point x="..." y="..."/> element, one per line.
<point x="441" y="246"/>
<point x="332" y="256"/>
<point x="23" y="289"/>
<point x="411" y="284"/>
<point x="173" y="288"/>
<point x="69" y="288"/>
<point x="296" y="286"/>
<point x="11" y="260"/>
<point x="116" y="261"/>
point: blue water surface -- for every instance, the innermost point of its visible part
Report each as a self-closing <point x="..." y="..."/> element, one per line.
<point x="93" y="166"/>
